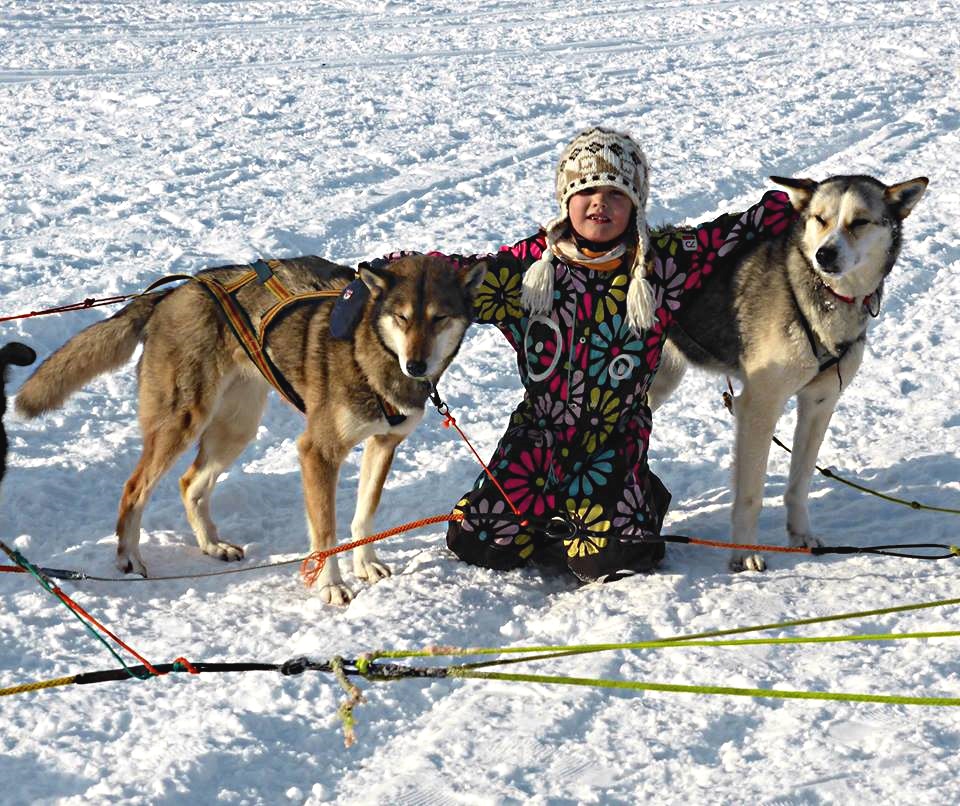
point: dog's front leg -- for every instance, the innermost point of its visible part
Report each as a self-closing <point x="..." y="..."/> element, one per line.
<point x="319" y="492"/>
<point x="377" y="457"/>
<point x="813" y="415"/>
<point x="757" y="410"/>
<point x="815" y="406"/>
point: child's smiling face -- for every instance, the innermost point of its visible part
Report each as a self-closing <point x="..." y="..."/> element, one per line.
<point x="600" y="214"/>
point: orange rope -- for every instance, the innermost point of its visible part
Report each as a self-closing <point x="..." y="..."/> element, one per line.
<point x="84" y="614"/>
<point x="447" y="422"/>
<point x="75" y="306"/>
<point x="718" y="544"/>
<point x="313" y="563"/>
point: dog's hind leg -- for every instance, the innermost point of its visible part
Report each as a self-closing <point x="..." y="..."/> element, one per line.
<point x="377" y="457"/>
<point x="164" y="439"/>
<point x="757" y="409"/>
<point x="229" y="431"/>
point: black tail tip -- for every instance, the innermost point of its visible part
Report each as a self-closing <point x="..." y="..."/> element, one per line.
<point x="16" y="353"/>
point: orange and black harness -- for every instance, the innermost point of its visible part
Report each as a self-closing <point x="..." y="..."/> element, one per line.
<point x="254" y="339"/>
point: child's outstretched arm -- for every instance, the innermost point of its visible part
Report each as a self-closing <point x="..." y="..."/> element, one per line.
<point x="693" y="253"/>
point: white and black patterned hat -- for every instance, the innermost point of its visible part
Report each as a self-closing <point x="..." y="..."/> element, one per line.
<point x="598" y="157"/>
<point x="603" y="158"/>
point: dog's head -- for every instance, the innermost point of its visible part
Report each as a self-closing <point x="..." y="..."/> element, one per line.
<point x="423" y="307"/>
<point x="851" y="227"/>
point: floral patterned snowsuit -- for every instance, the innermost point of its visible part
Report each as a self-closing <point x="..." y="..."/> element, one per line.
<point x="576" y="446"/>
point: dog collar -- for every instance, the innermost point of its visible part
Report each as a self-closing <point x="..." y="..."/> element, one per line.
<point x="390" y="413"/>
<point x="871" y="302"/>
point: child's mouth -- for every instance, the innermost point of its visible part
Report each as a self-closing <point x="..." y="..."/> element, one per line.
<point x="598" y="219"/>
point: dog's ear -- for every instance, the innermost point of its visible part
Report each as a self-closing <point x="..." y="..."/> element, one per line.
<point x="903" y="197"/>
<point x="799" y="190"/>
<point x="472" y="278"/>
<point x="378" y="281"/>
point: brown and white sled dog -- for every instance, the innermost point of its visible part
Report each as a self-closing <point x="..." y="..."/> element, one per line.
<point x="791" y="319"/>
<point x="196" y="384"/>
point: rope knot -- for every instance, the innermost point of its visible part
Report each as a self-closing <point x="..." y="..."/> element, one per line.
<point x="183" y="665"/>
<point x="294" y="666"/>
<point x="312" y="566"/>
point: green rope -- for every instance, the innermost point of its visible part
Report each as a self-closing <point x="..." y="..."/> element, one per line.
<point x="830" y="474"/>
<point x="889" y="699"/>
<point x="31" y="569"/>
<point x="821" y="639"/>
<point x="583" y="649"/>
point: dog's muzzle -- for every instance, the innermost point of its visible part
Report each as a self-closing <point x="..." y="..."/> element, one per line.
<point x="827" y="259"/>
<point x="416" y="369"/>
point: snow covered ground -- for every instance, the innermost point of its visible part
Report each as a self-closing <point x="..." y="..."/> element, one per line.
<point x="141" y="138"/>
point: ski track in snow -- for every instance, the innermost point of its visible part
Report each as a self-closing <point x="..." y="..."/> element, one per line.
<point x="142" y="139"/>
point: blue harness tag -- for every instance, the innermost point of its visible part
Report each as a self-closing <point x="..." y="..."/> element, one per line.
<point x="348" y="309"/>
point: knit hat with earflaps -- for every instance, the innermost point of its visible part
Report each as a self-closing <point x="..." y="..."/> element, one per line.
<point x="598" y="158"/>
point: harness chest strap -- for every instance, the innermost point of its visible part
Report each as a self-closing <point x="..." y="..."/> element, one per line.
<point x="825" y="358"/>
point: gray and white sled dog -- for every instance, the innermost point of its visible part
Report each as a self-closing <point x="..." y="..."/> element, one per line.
<point x="198" y="385"/>
<point x="791" y="319"/>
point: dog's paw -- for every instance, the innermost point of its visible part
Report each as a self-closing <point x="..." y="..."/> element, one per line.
<point x="223" y="551"/>
<point x="743" y="561"/>
<point x="336" y="594"/>
<point x="370" y="570"/>
<point x="803" y="540"/>
<point x="131" y="564"/>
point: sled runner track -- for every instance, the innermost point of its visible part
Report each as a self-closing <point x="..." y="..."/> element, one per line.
<point x="388" y="62"/>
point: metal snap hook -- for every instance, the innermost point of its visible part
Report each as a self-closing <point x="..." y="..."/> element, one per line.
<point x="561" y="529"/>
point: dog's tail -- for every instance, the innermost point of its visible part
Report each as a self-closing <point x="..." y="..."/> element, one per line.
<point x="100" y="348"/>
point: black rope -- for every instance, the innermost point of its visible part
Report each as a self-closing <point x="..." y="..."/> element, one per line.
<point x="371" y="670"/>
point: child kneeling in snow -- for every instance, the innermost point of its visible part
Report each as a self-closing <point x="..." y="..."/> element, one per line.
<point x="586" y="304"/>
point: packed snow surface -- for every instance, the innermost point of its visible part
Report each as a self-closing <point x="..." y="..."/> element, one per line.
<point x="140" y="139"/>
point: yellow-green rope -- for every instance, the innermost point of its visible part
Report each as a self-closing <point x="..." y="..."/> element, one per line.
<point x="27" y="687"/>
<point x="888" y="699"/>
<point x="830" y="474"/>
<point x="582" y="649"/>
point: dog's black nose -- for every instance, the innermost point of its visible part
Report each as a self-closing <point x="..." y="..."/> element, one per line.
<point x="417" y="368"/>
<point x="827" y="258"/>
